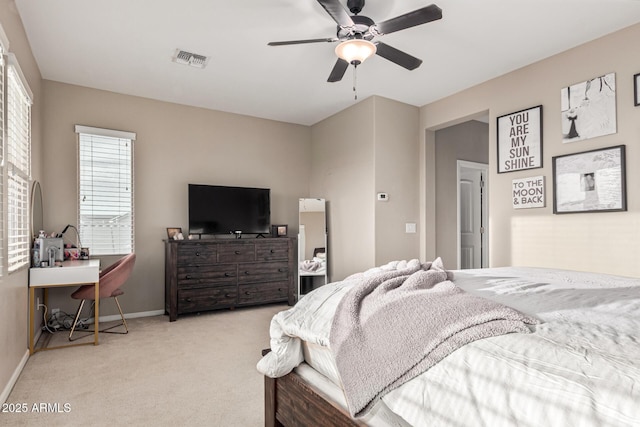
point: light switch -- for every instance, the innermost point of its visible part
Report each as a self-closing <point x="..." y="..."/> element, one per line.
<point x="410" y="227"/>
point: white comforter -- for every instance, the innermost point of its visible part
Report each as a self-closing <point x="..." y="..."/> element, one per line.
<point x="580" y="367"/>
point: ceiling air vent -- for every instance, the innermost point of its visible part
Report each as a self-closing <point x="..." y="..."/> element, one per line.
<point x="192" y="59"/>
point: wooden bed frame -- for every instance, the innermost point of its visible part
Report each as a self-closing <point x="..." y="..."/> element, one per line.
<point x="291" y="401"/>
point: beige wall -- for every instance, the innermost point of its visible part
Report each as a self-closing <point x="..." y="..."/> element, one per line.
<point x="13" y="287"/>
<point x="396" y="170"/>
<point x="368" y="148"/>
<point x="466" y="141"/>
<point x="342" y="173"/>
<point x="536" y="237"/>
<point x="176" y="145"/>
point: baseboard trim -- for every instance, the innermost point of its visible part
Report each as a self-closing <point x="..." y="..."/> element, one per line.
<point x="14" y="378"/>
<point x="113" y="317"/>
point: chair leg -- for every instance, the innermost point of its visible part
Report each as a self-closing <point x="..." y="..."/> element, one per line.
<point x="124" y="322"/>
<point x="75" y="321"/>
<point x="90" y="331"/>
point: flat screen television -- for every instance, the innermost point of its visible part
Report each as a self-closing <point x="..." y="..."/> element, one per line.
<point x="215" y="209"/>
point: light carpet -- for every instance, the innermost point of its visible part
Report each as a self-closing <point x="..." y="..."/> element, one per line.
<point x="197" y="371"/>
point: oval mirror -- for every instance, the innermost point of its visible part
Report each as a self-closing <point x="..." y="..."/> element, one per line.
<point x="37" y="222"/>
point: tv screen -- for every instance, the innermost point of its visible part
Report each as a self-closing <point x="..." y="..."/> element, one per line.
<point x="215" y="209"/>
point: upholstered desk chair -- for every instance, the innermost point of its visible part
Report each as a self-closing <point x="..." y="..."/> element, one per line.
<point x="111" y="279"/>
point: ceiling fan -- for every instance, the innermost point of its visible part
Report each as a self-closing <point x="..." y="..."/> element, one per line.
<point x="355" y="34"/>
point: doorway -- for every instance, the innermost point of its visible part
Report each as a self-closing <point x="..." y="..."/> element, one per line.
<point x="473" y="233"/>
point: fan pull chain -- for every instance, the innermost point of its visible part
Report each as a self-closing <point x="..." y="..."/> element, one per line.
<point x="355" y="81"/>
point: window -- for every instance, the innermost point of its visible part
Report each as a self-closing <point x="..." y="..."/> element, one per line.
<point x="18" y="164"/>
<point x="3" y="43"/>
<point x="105" y="190"/>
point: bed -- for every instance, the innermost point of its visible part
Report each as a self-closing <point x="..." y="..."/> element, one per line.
<point x="576" y="363"/>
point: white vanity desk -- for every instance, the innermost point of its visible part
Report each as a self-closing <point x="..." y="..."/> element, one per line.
<point x="72" y="273"/>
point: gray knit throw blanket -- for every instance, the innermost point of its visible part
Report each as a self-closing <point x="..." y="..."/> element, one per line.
<point x="395" y="324"/>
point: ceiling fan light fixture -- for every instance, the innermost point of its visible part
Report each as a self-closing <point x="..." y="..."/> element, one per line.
<point x="355" y="51"/>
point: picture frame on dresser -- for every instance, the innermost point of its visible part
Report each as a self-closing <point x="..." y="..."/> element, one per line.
<point x="172" y="232"/>
<point x="279" y="230"/>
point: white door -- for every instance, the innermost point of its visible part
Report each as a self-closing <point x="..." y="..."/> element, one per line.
<point x="472" y="215"/>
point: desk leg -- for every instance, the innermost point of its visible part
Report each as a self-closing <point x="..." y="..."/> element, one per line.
<point x="96" y="313"/>
<point x="32" y="315"/>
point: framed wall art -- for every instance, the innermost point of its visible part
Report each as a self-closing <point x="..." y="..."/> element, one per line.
<point x="520" y="140"/>
<point x="528" y="193"/>
<point x="591" y="181"/>
<point x="589" y="109"/>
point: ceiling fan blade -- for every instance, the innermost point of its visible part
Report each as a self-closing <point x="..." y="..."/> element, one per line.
<point x="408" y="20"/>
<point x="337" y="12"/>
<point x="327" y="40"/>
<point x="338" y="71"/>
<point x="397" y="56"/>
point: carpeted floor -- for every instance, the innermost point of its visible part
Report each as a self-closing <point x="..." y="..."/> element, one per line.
<point x="197" y="371"/>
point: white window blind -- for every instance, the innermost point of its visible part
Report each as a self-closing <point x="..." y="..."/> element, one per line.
<point x="105" y="189"/>
<point x="2" y="165"/>
<point x="18" y="164"/>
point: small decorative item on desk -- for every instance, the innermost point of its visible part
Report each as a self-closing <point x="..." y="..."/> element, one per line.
<point x="71" y="252"/>
<point x="84" y="253"/>
<point x="279" y="230"/>
<point x="35" y="256"/>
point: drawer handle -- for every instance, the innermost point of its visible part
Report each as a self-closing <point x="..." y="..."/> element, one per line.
<point x="246" y="273"/>
<point x="247" y="293"/>
<point x="272" y="251"/>
<point x="279" y="289"/>
<point x="188" y="276"/>
<point x="237" y="252"/>
<point x="188" y="299"/>
<point x="282" y="270"/>
<point x="228" y="295"/>
<point x="227" y="275"/>
<point x="197" y="253"/>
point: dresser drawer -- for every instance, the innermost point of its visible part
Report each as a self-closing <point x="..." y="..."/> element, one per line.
<point x="196" y="253"/>
<point x="236" y="253"/>
<point x="212" y="275"/>
<point x="263" y="292"/>
<point x="192" y="300"/>
<point x="263" y="272"/>
<point x="272" y="251"/>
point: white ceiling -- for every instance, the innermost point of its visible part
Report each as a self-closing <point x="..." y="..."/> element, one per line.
<point x="126" y="46"/>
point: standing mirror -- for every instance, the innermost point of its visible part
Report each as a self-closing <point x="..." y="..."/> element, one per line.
<point x="312" y="245"/>
<point x="37" y="223"/>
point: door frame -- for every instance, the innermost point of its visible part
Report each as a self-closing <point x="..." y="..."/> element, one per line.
<point x="464" y="164"/>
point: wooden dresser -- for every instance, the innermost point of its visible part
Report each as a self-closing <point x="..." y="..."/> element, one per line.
<point x="202" y="275"/>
